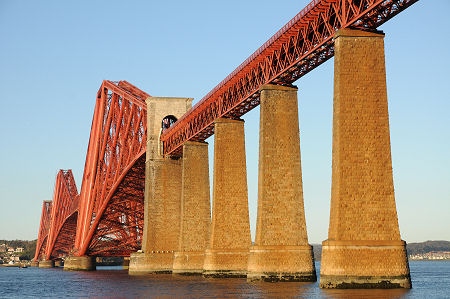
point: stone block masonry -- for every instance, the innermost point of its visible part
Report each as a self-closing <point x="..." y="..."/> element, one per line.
<point x="162" y="207"/>
<point x="364" y="249"/>
<point x="79" y="263"/>
<point x="195" y="210"/>
<point x="281" y="251"/>
<point x="227" y="253"/>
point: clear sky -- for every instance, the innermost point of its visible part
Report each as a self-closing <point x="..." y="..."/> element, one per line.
<point x="55" y="54"/>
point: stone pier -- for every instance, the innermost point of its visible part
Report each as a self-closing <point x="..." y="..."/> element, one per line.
<point x="126" y="262"/>
<point x="281" y="251"/>
<point x="364" y="248"/>
<point x="162" y="207"/>
<point x="195" y="210"/>
<point x="79" y="263"/>
<point x="34" y="263"/>
<point x="230" y="240"/>
<point x="59" y="263"/>
<point x="164" y="203"/>
<point x="46" y="264"/>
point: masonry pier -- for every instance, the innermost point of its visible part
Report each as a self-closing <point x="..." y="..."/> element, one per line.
<point x="46" y="264"/>
<point x="126" y="262"/>
<point x="79" y="263"/>
<point x="281" y="251"/>
<point x="228" y="249"/>
<point x="163" y="181"/>
<point x="195" y="210"/>
<point x="364" y="248"/>
<point x="59" y="263"/>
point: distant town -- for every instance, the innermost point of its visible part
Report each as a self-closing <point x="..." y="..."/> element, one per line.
<point x="16" y="252"/>
<point x="10" y="255"/>
<point x="432" y="255"/>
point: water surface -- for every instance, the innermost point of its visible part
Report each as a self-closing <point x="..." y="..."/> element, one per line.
<point x="429" y="279"/>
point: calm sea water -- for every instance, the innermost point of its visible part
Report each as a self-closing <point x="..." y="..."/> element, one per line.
<point x="430" y="280"/>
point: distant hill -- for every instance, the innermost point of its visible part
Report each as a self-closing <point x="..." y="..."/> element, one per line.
<point x="427" y="246"/>
<point x="412" y="248"/>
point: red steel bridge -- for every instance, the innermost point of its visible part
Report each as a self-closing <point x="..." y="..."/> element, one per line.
<point x="106" y="218"/>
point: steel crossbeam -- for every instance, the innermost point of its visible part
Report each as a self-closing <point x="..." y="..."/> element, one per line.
<point x="301" y="45"/>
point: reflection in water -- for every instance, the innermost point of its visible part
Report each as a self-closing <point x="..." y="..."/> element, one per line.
<point x="280" y="290"/>
<point x="199" y="287"/>
<point x="429" y="279"/>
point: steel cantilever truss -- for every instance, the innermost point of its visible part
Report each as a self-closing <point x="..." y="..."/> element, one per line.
<point x="112" y="191"/>
<point x="64" y="213"/>
<point x="44" y="228"/>
<point x="301" y="45"/>
<point x="58" y="221"/>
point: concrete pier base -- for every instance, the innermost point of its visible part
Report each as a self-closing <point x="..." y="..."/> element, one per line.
<point x="281" y="263"/>
<point x="364" y="248"/>
<point x="59" y="263"/>
<point x="225" y="263"/>
<point x="150" y="263"/>
<point x="34" y="264"/>
<point x="188" y="262"/>
<point x="79" y="263"/>
<point x="46" y="264"/>
<point x="229" y="244"/>
<point x="126" y="263"/>
<point x="364" y="264"/>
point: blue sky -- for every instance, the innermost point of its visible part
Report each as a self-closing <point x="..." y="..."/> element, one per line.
<point x="54" y="55"/>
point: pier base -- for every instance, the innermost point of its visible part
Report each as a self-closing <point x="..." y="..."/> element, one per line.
<point x="281" y="263"/>
<point x="126" y="262"/>
<point x="225" y="263"/>
<point x="79" y="263"/>
<point x="34" y="264"/>
<point x="59" y="263"/>
<point x="188" y="262"/>
<point x="150" y="263"/>
<point x="47" y="264"/>
<point x="364" y="264"/>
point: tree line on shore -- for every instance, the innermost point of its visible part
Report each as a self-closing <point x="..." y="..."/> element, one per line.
<point x="29" y="247"/>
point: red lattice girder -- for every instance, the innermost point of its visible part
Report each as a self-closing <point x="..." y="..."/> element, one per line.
<point x="65" y="240"/>
<point x="44" y="228"/>
<point x="301" y="45"/>
<point x="117" y="142"/>
<point x="64" y="204"/>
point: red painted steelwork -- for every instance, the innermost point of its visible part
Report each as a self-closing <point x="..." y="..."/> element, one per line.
<point x="44" y="228"/>
<point x="301" y="45"/>
<point x="112" y="192"/>
<point x="64" y="207"/>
